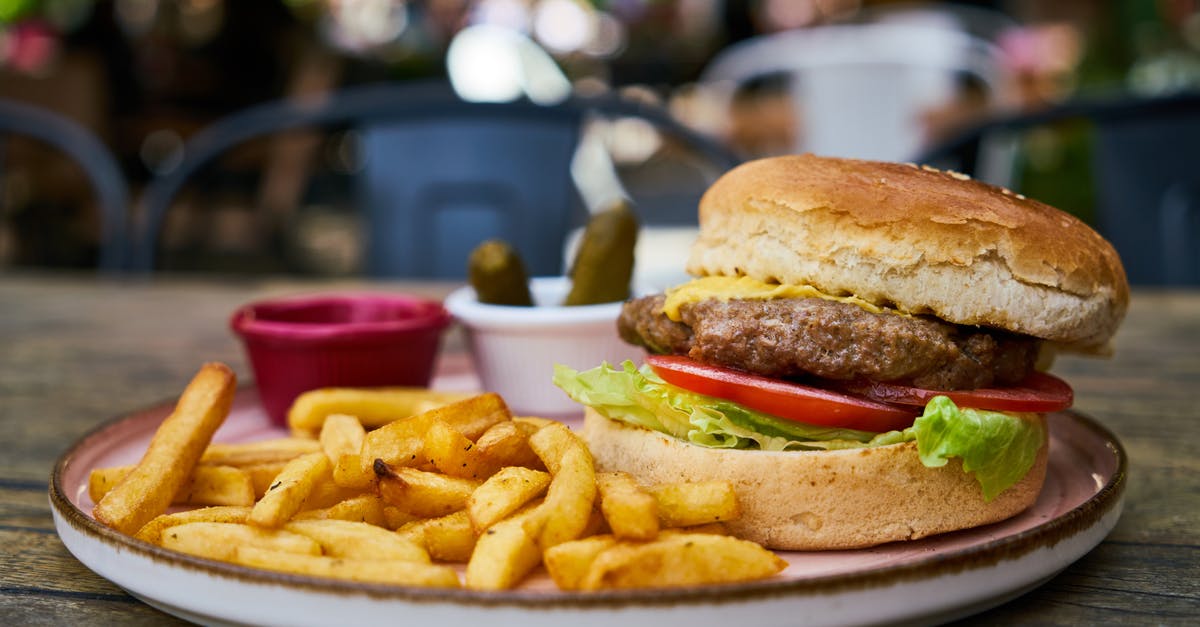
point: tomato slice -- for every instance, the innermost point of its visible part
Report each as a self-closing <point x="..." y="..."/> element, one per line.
<point x="1039" y="392"/>
<point x="792" y="401"/>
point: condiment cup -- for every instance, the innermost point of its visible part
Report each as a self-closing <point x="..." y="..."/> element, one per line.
<point x="362" y="340"/>
<point x="514" y="349"/>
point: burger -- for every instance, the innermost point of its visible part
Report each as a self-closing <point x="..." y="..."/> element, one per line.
<point x="862" y="351"/>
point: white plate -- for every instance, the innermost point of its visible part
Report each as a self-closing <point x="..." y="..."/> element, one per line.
<point x="934" y="579"/>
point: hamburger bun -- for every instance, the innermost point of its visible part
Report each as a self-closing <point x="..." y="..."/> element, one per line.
<point x="917" y="239"/>
<point x="816" y="500"/>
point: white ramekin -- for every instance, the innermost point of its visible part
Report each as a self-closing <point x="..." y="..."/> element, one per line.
<point x="514" y="349"/>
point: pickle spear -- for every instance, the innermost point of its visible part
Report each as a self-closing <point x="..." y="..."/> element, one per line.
<point x="603" y="266"/>
<point x="498" y="275"/>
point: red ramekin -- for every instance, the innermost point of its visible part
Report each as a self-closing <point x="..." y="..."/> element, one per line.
<point x="343" y="340"/>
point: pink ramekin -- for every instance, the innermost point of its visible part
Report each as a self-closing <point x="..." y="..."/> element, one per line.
<point x="361" y="340"/>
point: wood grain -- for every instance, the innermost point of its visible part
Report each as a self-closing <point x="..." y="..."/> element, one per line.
<point x="75" y="351"/>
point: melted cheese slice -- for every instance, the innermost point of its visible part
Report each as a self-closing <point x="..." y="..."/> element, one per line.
<point x="726" y="288"/>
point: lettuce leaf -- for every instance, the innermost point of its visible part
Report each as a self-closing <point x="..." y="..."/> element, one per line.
<point x="998" y="447"/>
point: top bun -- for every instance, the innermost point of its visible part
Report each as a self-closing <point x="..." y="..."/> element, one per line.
<point x="918" y="239"/>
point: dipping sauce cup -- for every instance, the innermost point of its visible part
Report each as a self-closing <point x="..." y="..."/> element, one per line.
<point x="360" y="340"/>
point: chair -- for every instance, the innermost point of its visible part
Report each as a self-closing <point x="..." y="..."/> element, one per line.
<point x="1145" y="164"/>
<point x="96" y="161"/>
<point x="440" y="174"/>
<point x="859" y="90"/>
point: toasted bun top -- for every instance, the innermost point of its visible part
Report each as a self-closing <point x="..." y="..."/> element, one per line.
<point x="922" y="240"/>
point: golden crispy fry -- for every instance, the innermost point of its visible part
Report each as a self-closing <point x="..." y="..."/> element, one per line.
<point x="278" y="450"/>
<point x="389" y="572"/>
<point x="152" y="531"/>
<point x="504" y="554"/>
<point x="423" y="493"/>
<point x="174" y="450"/>
<point x="714" y="528"/>
<point x="395" y="518"/>
<point x="207" y="485"/>
<point x="449" y="538"/>
<point x="532" y="423"/>
<point x="680" y="560"/>
<point x="567" y="510"/>
<point x="373" y="407"/>
<point x="401" y="443"/>
<point x="263" y="475"/>
<point x="507" y="444"/>
<point x="552" y="442"/>
<point x="352" y="471"/>
<point x="451" y="453"/>
<point x="326" y="493"/>
<point x="414" y="531"/>
<point x="367" y="508"/>
<point x="219" y="541"/>
<point x="504" y="493"/>
<point x="568" y="563"/>
<point x="291" y="489"/>
<point x="358" y="540"/>
<point x="630" y="511"/>
<point x="572" y="491"/>
<point x="687" y="504"/>
<point x="341" y="435"/>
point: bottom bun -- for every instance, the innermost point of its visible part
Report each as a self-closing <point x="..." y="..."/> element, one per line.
<point x="814" y="500"/>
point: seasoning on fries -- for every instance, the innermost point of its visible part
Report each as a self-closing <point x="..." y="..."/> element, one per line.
<point x="448" y="479"/>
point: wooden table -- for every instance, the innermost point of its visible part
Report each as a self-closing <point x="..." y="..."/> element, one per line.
<point x="76" y="350"/>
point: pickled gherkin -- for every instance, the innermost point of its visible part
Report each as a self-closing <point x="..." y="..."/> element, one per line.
<point x="498" y="275"/>
<point x="603" y="266"/>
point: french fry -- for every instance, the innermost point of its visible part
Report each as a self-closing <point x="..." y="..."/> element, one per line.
<point x="568" y="563"/>
<point x="504" y="493"/>
<point x="147" y="490"/>
<point x="452" y="454"/>
<point x="373" y="407"/>
<point x="631" y="512"/>
<point x="219" y="541"/>
<point x="351" y="471"/>
<point x="263" y="475"/>
<point x="572" y="490"/>
<point x="688" y="504"/>
<point x="552" y="442"/>
<point x="402" y="573"/>
<point x="449" y="538"/>
<point x="507" y="444"/>
<point x="504" y="554"/>
<point x="358" y="540"/>
<point x="680" y="560"/>
<point x="341" y="435"/>
<point x="326" y="493"/>
<point x="292" y="487"/>
<point x="367" y="508"/>
<point x="152" y="531"/>
<point x="401" y="442"/>
<point x="207" y="485"/>
<point x="531" y="423"/>
<point x="423" y="493"/>
<point x="278" y="450"/>
<point x="395" y="518"/>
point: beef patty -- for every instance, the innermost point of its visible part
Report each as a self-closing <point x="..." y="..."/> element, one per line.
<point x="798" y="337"/>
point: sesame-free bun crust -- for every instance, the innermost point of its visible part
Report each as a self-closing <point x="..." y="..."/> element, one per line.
<point x="817" y="500"/>
<point x="919" y="239"/>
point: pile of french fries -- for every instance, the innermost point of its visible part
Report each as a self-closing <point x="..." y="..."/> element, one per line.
<point x="415" y="487"/>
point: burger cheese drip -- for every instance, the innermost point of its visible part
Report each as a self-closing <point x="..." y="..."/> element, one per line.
<point x="726" y="288"/>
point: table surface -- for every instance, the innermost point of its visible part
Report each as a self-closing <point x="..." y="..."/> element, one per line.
<point x="76" y="350"/>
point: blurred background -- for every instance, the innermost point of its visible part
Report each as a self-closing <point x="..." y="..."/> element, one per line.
<point x="862" y="78"/>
